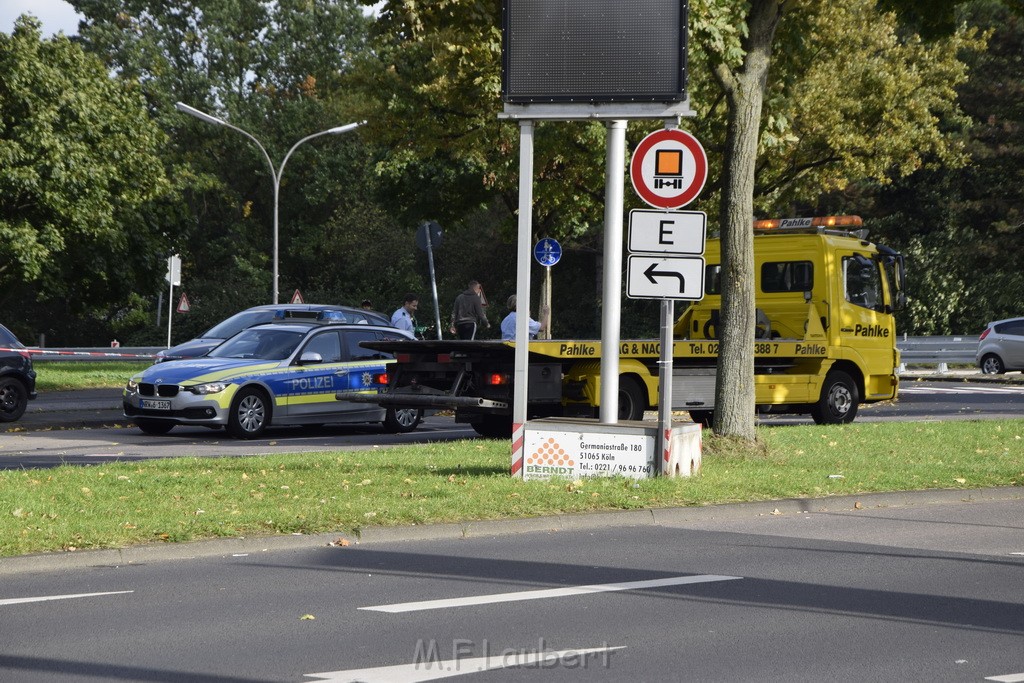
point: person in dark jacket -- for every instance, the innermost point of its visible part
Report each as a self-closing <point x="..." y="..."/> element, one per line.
<point x="468" y="314"/>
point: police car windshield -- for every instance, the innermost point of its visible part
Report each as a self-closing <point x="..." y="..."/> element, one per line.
<point x="260" y="344"/>
<point x="237" y="323"/>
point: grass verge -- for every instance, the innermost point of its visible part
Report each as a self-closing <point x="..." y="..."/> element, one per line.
<point x="182" y="499"/>
<point x="64" y="375"/>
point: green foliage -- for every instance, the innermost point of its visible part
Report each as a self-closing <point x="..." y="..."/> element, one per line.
<point x="79" y="159"/>
<point x="962" y="227"/>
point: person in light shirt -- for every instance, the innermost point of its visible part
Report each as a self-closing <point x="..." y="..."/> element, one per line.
<point x="508" y="325"/>
<point x="404" y="318"/>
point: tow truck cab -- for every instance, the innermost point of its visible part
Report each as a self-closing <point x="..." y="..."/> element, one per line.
<point x="825" y="331"/>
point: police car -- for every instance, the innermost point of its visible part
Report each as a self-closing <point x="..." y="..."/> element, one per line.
<point x="280" y="373"/>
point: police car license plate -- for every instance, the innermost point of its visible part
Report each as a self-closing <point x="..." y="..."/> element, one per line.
<point x="150" y="404"/>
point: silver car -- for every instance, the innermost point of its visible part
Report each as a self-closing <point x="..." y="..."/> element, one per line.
<point x="1001" y="347"/>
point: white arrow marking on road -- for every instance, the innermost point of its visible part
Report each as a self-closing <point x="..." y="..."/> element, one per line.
<point x="434" y="670"/>
<point x="1009" y="678"/>
<point x="44" y="598"/>
<point x="547" y="593"/>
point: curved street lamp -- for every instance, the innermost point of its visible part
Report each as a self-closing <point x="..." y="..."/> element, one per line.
<point x="274" y="174"/>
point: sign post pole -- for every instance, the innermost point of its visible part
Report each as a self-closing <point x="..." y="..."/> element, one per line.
<point x="522" y="352"/>
<point x="661" y="444"/>
<point x="612" y="292"/>
<point x="433" y="283"/>
<point x="545" y="307"/>
<point x="548" y="252"/>
<point x="428" y="236"/>
<point x="173" y="277"/>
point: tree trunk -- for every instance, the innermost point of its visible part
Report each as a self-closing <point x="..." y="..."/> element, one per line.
<point x="744" y="90"/>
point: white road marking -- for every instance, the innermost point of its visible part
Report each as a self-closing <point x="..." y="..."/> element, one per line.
<point x="960" y="390"/>
<point x="44" y="598"/>
<point x="1008" y="678"/>
<point x="546" y="593"/>
<point x="433" y="670"/>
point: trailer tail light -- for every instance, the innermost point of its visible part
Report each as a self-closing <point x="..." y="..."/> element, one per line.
<point x="985" y="333"/>
<point x="403" y="357"/>
<point x="444" y="358"/>
<point x="497" y="379"/>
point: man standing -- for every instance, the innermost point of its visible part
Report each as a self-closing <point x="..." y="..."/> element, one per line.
<point x="469" y="313"/>
<point x="403" y="318"/>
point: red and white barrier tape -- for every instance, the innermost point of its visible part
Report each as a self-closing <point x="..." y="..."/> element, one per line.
<point x="51" y="352"/>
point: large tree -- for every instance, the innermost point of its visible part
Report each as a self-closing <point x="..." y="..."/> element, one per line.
<point x="79" y="159"/>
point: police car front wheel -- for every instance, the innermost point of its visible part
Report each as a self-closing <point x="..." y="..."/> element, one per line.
<point x="250" y="414"/>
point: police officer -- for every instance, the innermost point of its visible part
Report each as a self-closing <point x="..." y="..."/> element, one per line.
<point x="403" y="318"/>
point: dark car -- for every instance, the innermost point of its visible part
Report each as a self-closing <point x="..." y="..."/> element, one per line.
<point x="256" y="315"/>
<point x="17" y="378"/>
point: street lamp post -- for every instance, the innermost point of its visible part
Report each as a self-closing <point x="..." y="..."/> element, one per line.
<point x="274" y="174"/>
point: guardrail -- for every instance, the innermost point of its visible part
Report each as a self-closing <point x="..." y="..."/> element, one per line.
<point x="940" y="351"/>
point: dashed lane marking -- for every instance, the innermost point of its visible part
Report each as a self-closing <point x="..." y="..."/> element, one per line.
<point x="44" y="598"/>
<point x="432" y="670"/>
<point x="546" y="593"/>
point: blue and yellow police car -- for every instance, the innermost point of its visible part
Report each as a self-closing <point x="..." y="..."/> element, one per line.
<point x="281" y="373"/>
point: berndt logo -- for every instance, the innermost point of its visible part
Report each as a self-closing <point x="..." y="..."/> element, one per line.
<point x="550" y="458"/>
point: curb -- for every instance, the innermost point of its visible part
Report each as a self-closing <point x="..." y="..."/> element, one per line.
<point x="647" y="517"/>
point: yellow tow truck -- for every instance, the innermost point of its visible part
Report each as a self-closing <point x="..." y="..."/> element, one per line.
<point x="825" y="342"/>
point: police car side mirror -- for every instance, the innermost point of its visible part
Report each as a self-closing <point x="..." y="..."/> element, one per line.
<point x="310" y="358"/>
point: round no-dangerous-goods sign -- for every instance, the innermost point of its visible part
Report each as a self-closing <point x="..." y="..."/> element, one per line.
<point x="668" y="168"/>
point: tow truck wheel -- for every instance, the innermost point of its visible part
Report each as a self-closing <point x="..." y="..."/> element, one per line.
<point x="154" y="427"/>
<point x="839" y="400"/>
<point x="250" y="414"/>
<point x="631" y="400"/>
<point x="402" y="420"/>
<point x="494" y="426"/>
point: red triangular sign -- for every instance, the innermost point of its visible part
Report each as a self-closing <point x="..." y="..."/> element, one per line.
<point x="183" y="306"/>
<point x="297" y="298"/>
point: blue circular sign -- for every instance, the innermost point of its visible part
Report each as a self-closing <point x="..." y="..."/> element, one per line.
<point x="547" y="252"/>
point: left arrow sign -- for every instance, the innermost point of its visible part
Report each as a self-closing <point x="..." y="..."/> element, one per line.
<point x="665" y="277"/>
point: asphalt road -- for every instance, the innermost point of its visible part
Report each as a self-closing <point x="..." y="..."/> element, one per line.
<point x="898" y="587"/>
<point x="87" y="427"/>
